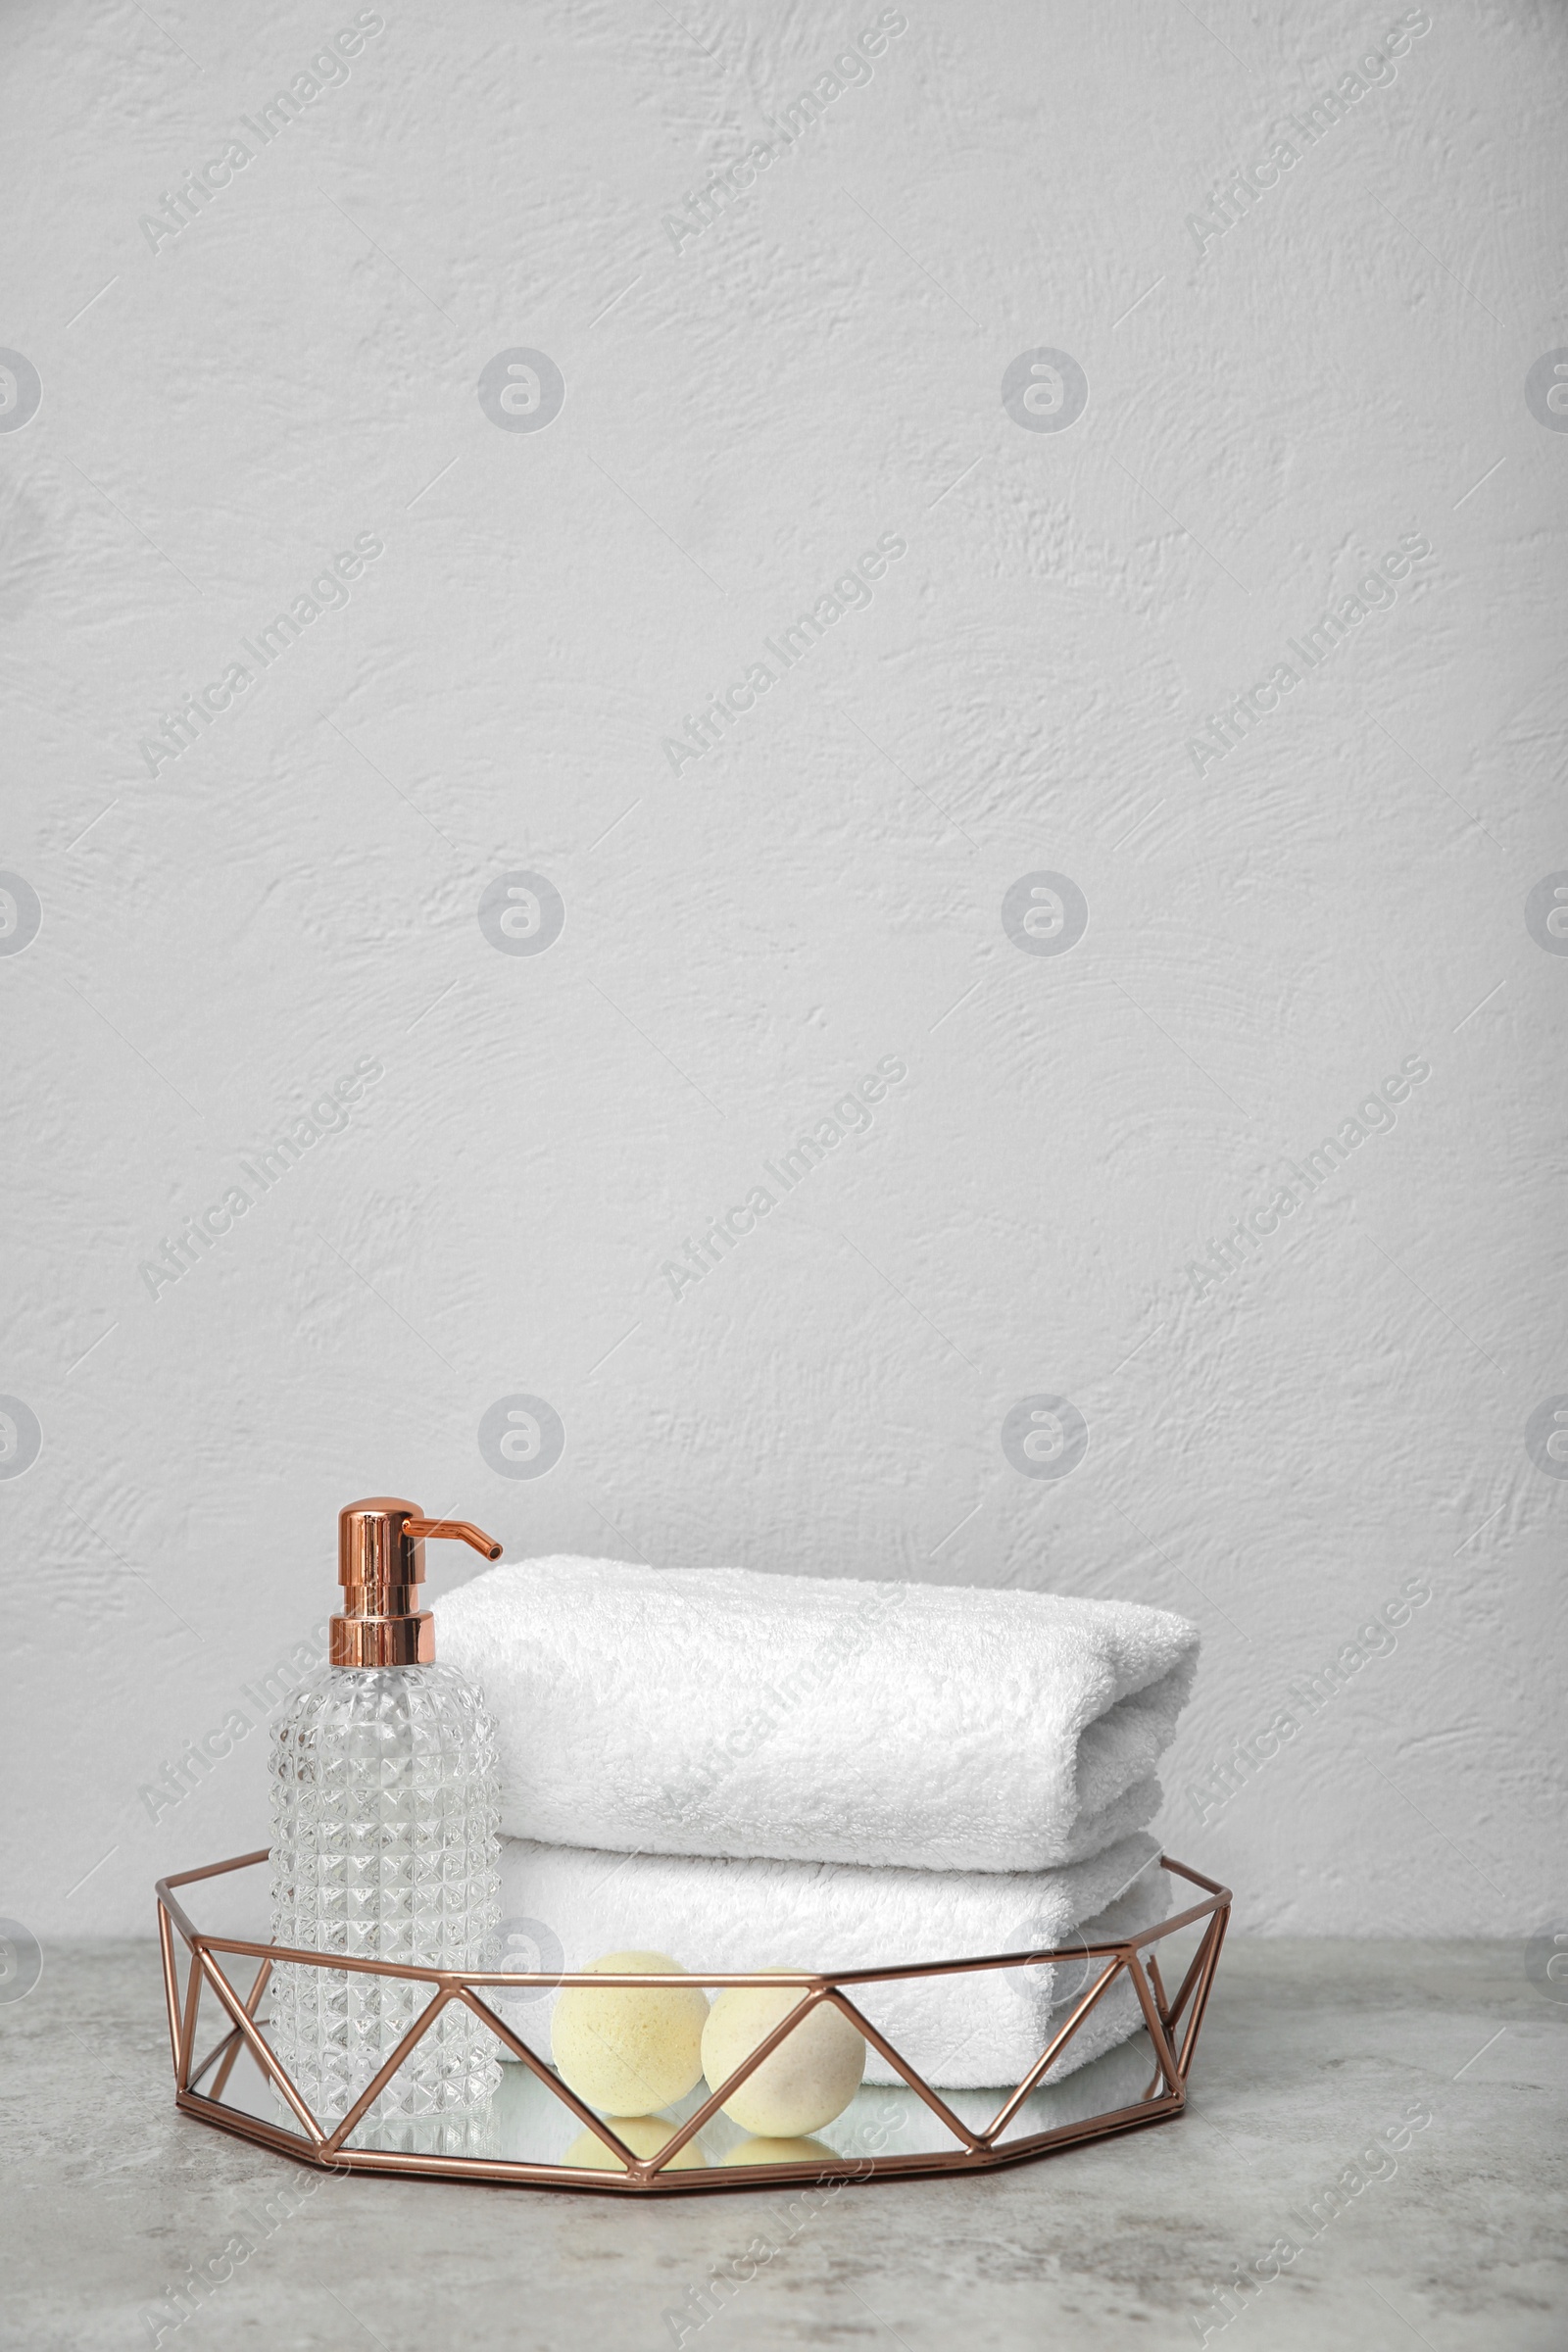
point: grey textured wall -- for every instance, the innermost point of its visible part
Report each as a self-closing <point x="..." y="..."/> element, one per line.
<point x="450" y="889"/>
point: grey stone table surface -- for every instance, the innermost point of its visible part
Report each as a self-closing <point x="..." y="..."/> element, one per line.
<point x="1313" y="2054"/>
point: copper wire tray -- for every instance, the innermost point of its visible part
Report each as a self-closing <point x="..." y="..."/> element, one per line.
<point x="1172" y="2020"/>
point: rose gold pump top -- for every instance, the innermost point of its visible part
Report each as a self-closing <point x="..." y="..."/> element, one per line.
<point x="380" y="1565"/>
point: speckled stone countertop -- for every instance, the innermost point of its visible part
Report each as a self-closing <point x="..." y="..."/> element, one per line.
<point x="1311" y="2053"/>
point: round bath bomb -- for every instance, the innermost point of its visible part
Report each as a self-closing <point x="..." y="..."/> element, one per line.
<point x="626" y="2050"/>
<point x="782" y="2151"/>
<point x="644" y="2134"/>
<point x="809" y="2078"/>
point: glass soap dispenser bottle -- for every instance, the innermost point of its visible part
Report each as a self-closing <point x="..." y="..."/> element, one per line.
<point x="384" y="1838"/>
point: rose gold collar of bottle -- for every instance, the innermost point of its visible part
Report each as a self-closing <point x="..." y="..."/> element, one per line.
<point x="380" y="1565"/>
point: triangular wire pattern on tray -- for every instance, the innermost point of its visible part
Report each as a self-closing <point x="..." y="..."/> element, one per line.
<point x="975" y="2148"/>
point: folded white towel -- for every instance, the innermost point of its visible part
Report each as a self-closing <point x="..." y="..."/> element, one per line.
<point x="954" y="2031"/>
<point x="717" y="1711"/>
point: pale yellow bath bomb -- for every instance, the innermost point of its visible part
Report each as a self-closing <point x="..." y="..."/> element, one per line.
<point x="626" y="2050"/>
<point x="782" y="2151"/>
<point x="644" y="2134"/>
<point x="809" y="2078"/>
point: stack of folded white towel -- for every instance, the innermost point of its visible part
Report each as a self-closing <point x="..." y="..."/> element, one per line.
<point x="754" y="1771"/>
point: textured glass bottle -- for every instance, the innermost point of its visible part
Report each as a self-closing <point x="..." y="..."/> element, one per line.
<point x="384" y="1838"/>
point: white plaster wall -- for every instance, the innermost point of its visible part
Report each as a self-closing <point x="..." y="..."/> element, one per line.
<point x="1270" y="933"/>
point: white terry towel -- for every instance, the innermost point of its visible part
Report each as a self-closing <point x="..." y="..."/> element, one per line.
<point x="718" y="1711"/>
<point x="954" y="2031"/>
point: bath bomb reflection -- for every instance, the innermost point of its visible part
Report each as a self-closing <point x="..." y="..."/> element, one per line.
<point x="782" y="2151"/>
<point x="644" y="2134"/>
<point x="809" y="2078"/>
<point x="628" y="2050"/>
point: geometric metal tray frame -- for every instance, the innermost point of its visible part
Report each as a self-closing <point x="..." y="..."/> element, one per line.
<point x="1173" y="2019"/>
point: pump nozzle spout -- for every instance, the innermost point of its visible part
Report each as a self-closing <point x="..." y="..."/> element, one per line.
<point x="459" y="1531"/>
